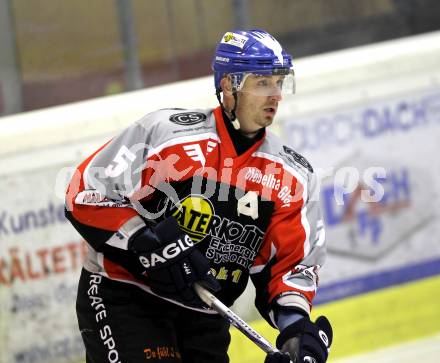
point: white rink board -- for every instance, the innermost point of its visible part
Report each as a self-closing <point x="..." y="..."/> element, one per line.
<point x="38" y="262"/>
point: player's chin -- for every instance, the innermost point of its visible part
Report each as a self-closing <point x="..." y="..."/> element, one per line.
<point x="269" y="115"/>
<point x="268" y="119"/>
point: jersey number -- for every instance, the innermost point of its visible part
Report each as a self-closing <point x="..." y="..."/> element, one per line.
<point x="248" y="205"/>
<point x="119" y="163"/>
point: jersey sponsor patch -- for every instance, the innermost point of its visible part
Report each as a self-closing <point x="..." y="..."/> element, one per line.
<point x="194" y="216"/>
<point x="227" y="240"/>
<point x="295" y="158"/>
<point x="188" y="118"/>
<point x="194" y="151"/>
<point x="95" y="198"/>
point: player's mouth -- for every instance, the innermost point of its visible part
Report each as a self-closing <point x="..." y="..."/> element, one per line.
<point x="270" y="111"/>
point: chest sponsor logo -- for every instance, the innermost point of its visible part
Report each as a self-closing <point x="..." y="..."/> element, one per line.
<point x="270" y="181"/>
<point x="229" y="241"/>
<point x="194" y="215"/>
<point x="195" y="152"/>
<point x="188" y="118"/>
<point x="266" y="180"/>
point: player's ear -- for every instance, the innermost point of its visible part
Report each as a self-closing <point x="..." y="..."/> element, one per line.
<point x="226" y="85"/>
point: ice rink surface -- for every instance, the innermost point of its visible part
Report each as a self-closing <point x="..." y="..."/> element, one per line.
<point x="423" y="350"/>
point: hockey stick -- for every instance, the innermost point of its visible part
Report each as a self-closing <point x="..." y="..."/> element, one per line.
<point x="214" y="303"/>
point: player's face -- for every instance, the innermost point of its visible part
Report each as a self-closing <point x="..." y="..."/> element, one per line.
<point x="258" y="102"/>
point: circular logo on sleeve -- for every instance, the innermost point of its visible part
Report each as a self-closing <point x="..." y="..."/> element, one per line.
<point x="188" y="118"/>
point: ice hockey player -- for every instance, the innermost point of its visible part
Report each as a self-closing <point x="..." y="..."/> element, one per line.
<point x="209" y="196"/>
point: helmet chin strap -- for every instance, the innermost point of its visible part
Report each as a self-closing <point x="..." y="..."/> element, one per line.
<point x="233" y="116"/>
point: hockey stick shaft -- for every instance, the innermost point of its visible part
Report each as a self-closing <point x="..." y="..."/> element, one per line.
<point x="215" y="304"/>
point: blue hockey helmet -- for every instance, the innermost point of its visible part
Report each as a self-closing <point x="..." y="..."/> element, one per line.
<point x="240" y="53"/>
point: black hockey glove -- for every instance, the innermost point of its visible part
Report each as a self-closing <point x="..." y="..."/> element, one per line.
<point x="303" y="342"/>
<point x="171" y="262"/>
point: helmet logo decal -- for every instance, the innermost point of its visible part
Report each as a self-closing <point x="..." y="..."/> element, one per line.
<point x="222" y="59"/>
<point x="271" y="43"/>
<point x="235" y="39"/>
<point x="228" y="37"/>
